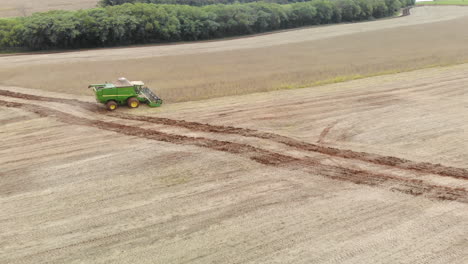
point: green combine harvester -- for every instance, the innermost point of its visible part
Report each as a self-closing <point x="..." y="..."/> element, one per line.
<point x="124" y="92"/>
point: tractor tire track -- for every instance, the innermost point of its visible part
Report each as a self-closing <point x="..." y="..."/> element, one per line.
<point x="325" y="132"/>
<point x="394" y="183"/>
<point x="400" y="163"/>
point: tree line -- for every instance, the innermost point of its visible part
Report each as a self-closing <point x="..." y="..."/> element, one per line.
<point x="194" y="2"/>
<point x="150" y="23"/>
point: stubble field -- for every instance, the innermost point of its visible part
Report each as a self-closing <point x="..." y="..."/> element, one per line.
<point x="372" y="170"/>
<point x="430" y="36"/>
<point x="368" y="171"/>
<point x="12" y="8"/>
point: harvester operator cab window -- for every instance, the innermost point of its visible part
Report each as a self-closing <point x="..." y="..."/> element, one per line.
<point x="123" y="82"/>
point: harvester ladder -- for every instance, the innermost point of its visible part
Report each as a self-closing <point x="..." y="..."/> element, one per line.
<point x="148" y="94"/>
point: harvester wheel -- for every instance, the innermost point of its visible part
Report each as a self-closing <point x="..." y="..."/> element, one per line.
<point x="111" y="105"/>
<point x="133" y="102"/>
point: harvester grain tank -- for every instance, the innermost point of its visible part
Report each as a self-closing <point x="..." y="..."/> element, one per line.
<point x="124" y="92"/>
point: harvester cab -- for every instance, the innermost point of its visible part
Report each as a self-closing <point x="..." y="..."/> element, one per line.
<point x="124" y="92"/>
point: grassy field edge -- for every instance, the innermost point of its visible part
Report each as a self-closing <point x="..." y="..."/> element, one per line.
<point x="348" y="78"/>
<point x="443" y="2"/>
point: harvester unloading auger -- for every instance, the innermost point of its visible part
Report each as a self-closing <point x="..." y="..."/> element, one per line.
<point x="124" y="92"/>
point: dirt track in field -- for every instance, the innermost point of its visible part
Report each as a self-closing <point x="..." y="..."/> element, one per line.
<point x="380" y="169"/>
<point x="412" y="186"/>
<point x="335" y="152"/>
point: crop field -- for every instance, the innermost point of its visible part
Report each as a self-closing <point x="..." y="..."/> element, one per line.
<point x="12" y="8"/>
<point x="372" y="170"/>
<point x="444" y="2"/>
<point x="255" y="64"/>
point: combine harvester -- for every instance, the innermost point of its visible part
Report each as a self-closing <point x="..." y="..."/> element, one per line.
<point x="124" y="92"/>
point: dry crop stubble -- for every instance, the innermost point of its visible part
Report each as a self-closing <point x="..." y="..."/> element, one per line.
<point x="96" y="201"/>
<point x="227" y="205"/>
<point x="207" y="75"/>
<point x="11" y="8"/>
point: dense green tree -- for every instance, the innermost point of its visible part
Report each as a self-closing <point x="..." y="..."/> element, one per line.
<point x="380" y="9"/>
<point x="393" y="6"/>
<point x="350" y="10"/>
<point x="10" y="32"/>
<point x="303" y="14"/>
<point x="325" y="11"/>
<point x="194" y="2"/>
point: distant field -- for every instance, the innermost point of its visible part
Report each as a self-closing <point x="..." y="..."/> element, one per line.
<point x="11" y="8"/>
<point x="444" y="2"/>
<point x="283" y="60"/>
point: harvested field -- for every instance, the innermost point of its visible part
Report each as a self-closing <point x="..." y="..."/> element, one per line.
<point x="12" y="8"/>
<point x="263" y="63"/>
<point x="354" y="172"/>
<point x="373" y="170"/>
<point x="444" y="2"/>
